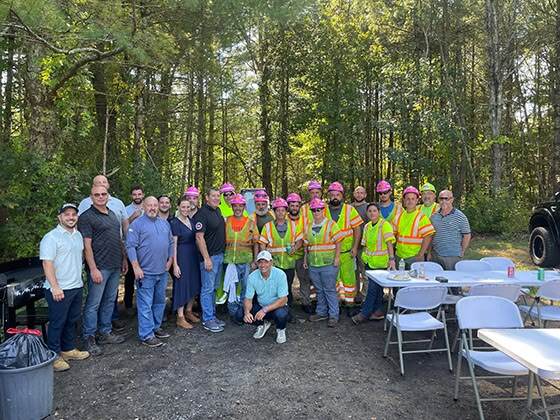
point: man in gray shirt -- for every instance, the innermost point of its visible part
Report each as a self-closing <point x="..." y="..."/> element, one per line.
<point x="453" y="233"/>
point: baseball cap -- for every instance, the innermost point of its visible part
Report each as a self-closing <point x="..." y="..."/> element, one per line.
<point x="264" y="255"/>
<point x="66" y="206"/>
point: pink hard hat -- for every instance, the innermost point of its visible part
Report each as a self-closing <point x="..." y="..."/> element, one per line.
<point x="383" y="186"/>
<point x="279" y="202"/>
<point x="314" y="185"/>
<point x="237" y="199"/>
<point x="293" y="198"/>
<point x="260" y="193"/>
<point x="336" y="186"/>
<point x="227" y="187"/>
<point x="411" y="190"/>
<point x="192" y="192"/>
<point x="316" y="203"/>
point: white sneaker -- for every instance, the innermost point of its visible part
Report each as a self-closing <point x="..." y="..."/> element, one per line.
<point x="261" y="330"/>
<point x="281" y="336"/>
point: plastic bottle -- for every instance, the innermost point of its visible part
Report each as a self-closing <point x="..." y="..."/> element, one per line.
<point x="401" y="266"/>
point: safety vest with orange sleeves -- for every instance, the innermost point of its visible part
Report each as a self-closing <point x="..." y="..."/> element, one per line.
<point x="348" y="219"/>
<point x="253" y="217"/>
<point x="278" y="246"/>
<point x="395" y="213"/>
<point x="374" y="240"/>
<point x="301" y="227"/>
<point x="306" y="215"/>
<point x="321" y="246"/>
<point x="239" y="244"/>
<point x="410" y="230"/>
<point x="429" y="210"/>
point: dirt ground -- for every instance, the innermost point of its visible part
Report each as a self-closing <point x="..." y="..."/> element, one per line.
<point x="319" y="373"/>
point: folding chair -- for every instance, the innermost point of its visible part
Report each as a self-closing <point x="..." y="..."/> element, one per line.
<point x="498" y="263"/>
<point x="544" y="313"/>
<point x="429" y="266"/>
<point x="476" y="312"/>
<point x="472" y="266"/>
<point x="418" y="299"/>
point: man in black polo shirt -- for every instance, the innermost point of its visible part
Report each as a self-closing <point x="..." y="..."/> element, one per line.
<point x="210" y="231"/>
<point x="106" y="260"/>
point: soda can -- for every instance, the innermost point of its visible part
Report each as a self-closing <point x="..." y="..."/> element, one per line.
<point x="511" y="272"/>
<point x="540" y="274"/>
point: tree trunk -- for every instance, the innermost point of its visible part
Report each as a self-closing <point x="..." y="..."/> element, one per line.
<point x="555" y="176"/>
<point x="264" y="119"/>
<point x="8" y="90"/>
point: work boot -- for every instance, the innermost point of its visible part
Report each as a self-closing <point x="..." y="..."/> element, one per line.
<point x="377" y="316"/>
<point x="358" y="318"/>
<point x="60" y="365"/>
<point x="118" y="325"/>
<point x="91" y="346"/>
<point x="333" y="322"/>
<point x="111" y="338"/>
<point x="74" y="355"/>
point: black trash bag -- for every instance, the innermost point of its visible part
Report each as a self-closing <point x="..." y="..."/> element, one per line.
<point x="26" y="348"/>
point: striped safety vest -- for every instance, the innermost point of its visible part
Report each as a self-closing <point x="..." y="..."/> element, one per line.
<point x="277" y="245"/>
<point x="239" y="245"/>
<point x="345" y="223"/>
<point x="375" y="238"/>
<point x="321" y="247"/>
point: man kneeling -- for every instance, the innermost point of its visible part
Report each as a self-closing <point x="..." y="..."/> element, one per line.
<point x="271" y="287"/>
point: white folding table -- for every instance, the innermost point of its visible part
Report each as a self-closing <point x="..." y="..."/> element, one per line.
<point x="538" y="349"/>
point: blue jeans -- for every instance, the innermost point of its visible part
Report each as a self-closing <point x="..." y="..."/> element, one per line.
<point x="242" y="274"/>
<point x="100" y="303"/>
<point x="324" y="280"/>
<point x="150" y="303"/>
<point x="63" y="317"/>
<point x="210" y="281"/>
<point x="374" y="299"/>
<point x="278" y="316"/>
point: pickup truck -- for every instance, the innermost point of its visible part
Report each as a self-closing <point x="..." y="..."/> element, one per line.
<point x="544" y="229"/>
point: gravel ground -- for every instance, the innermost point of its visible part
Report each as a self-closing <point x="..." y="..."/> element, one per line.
<point x="319" y="373"/>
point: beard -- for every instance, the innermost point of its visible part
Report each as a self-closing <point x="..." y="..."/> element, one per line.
<point x="261" y="212"/>
<point x="293" y="212"/>
<point x="334" y="202"/>
<point x="137" y="201"/>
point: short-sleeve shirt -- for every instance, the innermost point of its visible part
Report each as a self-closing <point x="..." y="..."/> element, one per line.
<point x="131" y="208"/>
<point x="116" y="205"/>
<point x="210" y="221"/>
<point x="267" y="290"/>
<point x="449" y="232"/>
<point x="65" y="250"/>
<point x="104" y="230"/>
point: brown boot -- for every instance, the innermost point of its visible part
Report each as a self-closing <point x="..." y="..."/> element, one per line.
<point x="358" y="318"/>
<point x="377" y="316"/>
<point x="192" y="317"/>
<point x="182" y="323"/>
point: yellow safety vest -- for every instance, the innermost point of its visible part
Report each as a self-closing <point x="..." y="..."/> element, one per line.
<point x="277" y="245"/>
<point x="321" y="247"/>
<point x="239" y="245"/>
<point x="428" y="211"/>
<point x="375" y="238"/>
<point x="344" y="223"/>
<point x="410" y="232"/>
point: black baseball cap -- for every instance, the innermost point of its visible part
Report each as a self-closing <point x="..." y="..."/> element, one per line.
<point x="66" y="206"/>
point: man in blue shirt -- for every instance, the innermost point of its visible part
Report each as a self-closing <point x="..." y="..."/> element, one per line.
<point x="149" y="245"/>
<point x="271" y="287"/>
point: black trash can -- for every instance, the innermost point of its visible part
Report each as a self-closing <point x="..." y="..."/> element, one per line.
<point x="27" y="393"/>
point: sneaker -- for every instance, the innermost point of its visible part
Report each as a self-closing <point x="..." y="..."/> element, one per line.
<point x="111" y="338"/>
<point x="60" y="365"/>
<point x="220" y="322"/>
<point x="182" y="323"/>
<point x="317" y="317"/>
<point x="333" y="322"/>
<point x="358" y="318"/>
<point x="261" y="330"/>
<point x="74" y="355"/>
<point x="118" y="325"/>
<point x="160" y="333"/>
<point x="152" y="342"/>
<point x="281" y="336"/>
<point x="212" y="326"/>
<point x="91" y="346"/>
<point x="377" y="316"/>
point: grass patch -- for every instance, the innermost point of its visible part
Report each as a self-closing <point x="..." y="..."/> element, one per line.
<point x="516" y="248"/>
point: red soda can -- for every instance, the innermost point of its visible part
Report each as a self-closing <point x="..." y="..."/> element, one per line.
<point x="511" y="272"/>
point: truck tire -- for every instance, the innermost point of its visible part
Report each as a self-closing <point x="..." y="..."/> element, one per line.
<point x="543" y="249"/>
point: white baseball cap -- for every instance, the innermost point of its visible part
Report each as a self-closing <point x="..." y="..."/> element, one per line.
<point x="264" y="255"/>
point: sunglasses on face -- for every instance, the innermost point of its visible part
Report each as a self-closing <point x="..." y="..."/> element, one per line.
<point x="444" y="198"/>
<point x="385" y="193"/>
<point x="316" y="210"/>
<point x="100" y="195"/>
<point x="228" y="194"/>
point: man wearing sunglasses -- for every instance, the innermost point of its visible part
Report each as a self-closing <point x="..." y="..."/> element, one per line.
<point x="389" y="209"/>
<point x="228" y="191"/>
<point x="453" y="232"/>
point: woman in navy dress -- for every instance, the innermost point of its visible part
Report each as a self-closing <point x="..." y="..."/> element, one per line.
<point x="186" y="279"/>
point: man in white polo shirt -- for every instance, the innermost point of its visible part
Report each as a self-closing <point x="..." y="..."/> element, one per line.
<point x="271" y="287"/>
<point x="61" y="251"/>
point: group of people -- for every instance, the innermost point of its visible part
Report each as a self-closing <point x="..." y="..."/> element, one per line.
<point x="219" y="253"/>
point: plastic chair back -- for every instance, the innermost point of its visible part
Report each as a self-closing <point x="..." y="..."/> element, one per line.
<point x="498" y="263"/>
<point x="550" y="290"/>
<point x="475" y="312"/>
<point x="472" y="266"/>
<point x="507" y="291"/>
<point x="429" y="266"/>
<point x="420" y="298"/>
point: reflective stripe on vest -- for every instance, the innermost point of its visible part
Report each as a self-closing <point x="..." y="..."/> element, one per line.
<point x="412" y="238"/>
<point x="346" y="231"/>
<point x="321" y="251"/>
<point x="239" y="246"/>
<point x="379" y="251"/>
<point x="278" y="245"/>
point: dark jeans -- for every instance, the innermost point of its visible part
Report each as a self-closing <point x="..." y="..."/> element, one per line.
<point x="63" y="317"/>
<point x="374" y="297"/>
<point x="278" y="316"/>
<point x="290" y="273"/>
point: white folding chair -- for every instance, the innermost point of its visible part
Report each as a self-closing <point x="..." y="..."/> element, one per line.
<point x="472" y="266"/>
<point x="429" y="266"/>
<point x="418" y="299"/>
<point x="498" y="263"/>
<point x="543" y="313"/>
<point x="476" y="312"/>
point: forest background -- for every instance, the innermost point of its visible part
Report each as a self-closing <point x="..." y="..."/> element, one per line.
<point x="267" y="93"/>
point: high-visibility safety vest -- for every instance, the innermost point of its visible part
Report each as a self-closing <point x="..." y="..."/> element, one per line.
<point x="239" y="245"/>
<point x="307" y="215"/>
<point x="302" y="228"/>
<point x="395" y="213"/>
<point x="374" y="240"/>
<point x="277" y="245"/>
<point x="411" y="229"/>
<point x="348" y="219"/>
<point x="429" y="210"/>
<point x="253" y="217"/>
<point x="226" y="209"/>
<point x="321" y="246"/>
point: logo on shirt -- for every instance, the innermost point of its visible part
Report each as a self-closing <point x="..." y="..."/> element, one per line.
<point x="198" y="226"/>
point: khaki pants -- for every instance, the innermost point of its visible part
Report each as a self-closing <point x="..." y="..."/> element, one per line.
<point x="448" y="263"/>
<point x="304" y="283"/>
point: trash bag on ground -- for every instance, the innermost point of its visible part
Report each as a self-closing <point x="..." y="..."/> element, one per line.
<point x="26" y="348"/>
